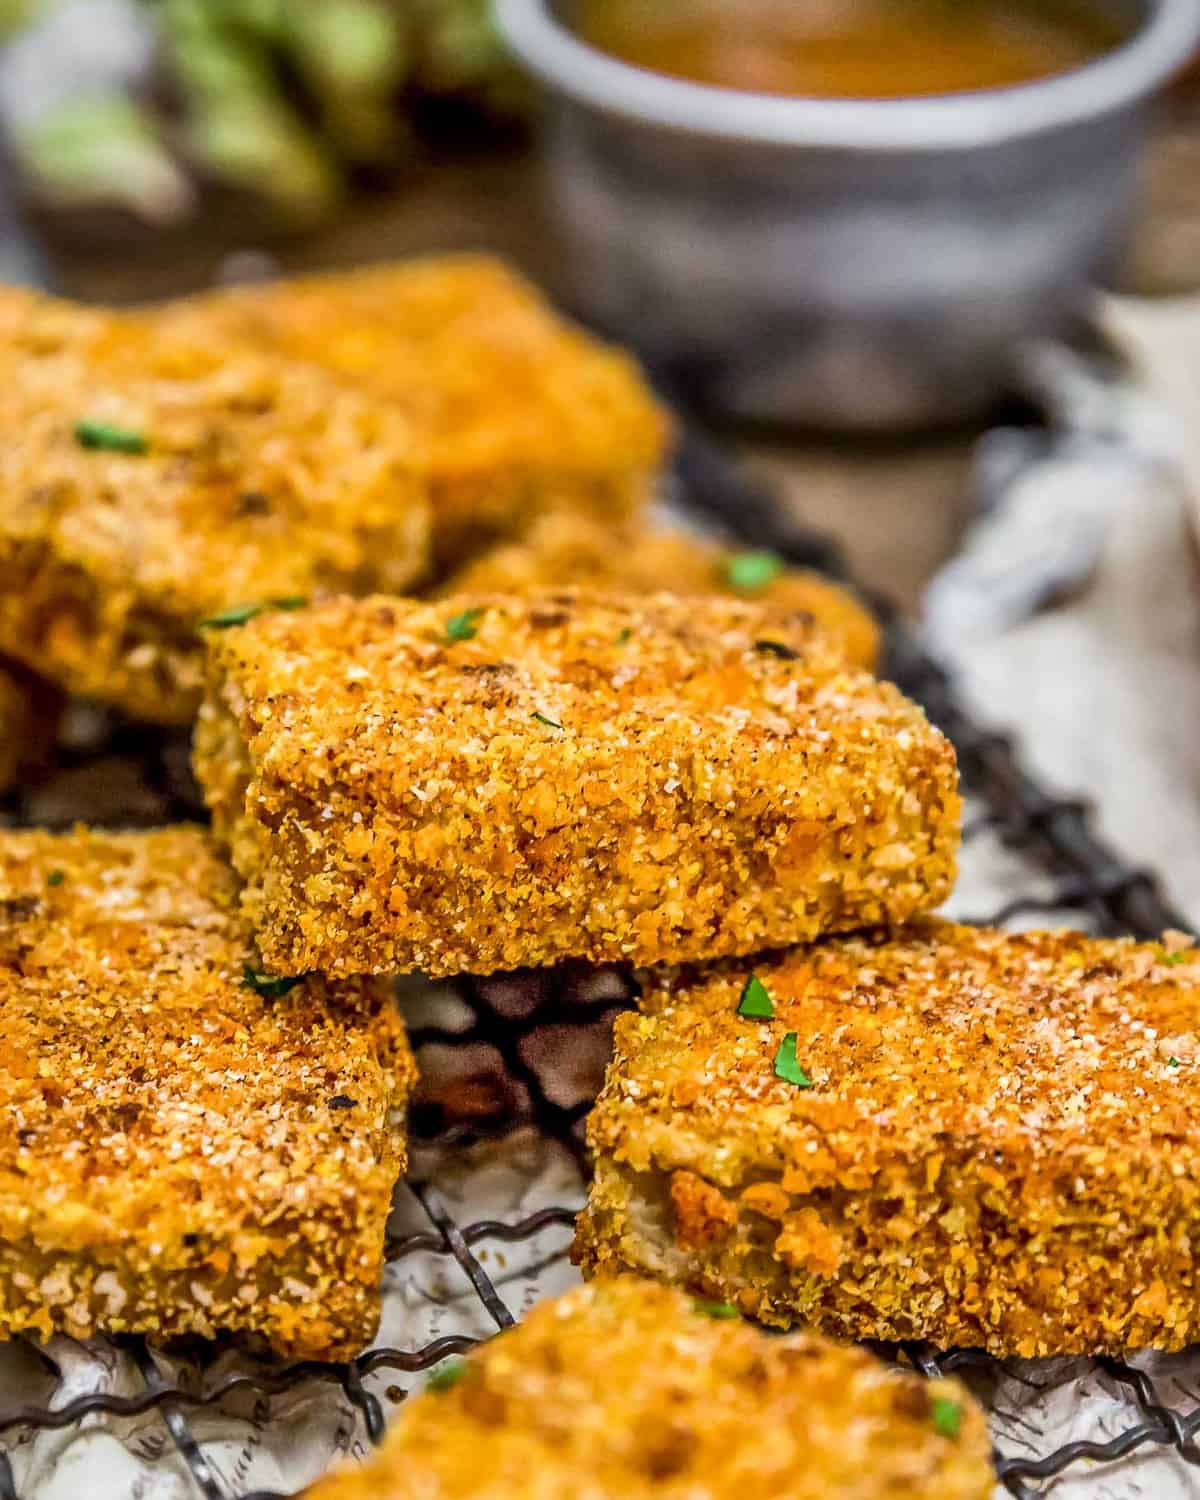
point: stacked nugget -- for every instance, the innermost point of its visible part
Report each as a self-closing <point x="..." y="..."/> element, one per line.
<point x="191" y="1144"/>
<point x="829" y="1109"/>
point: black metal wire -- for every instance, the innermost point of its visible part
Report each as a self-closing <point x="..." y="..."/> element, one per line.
<point x="1054" y="833"/>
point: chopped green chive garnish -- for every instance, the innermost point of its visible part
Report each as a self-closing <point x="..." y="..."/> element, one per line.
<point x="1177" y="958"/>
<point x="715" y="1309"/>
<point x="240" y="613"/>
<point x="272" y="985"/>
<point x="624" y="635"/>
<point x="462" y="627"/>
<point x="447" y="1374"/>
<point x="786" y="1066"/>
<point x="749" y="572"/>
<point x="1172" y="1062"/>
<point x="542" y="719"/>
<point x="91" y="434"/>
<point x="948" y="1416"/>
<point x="756" y="1001"/>
<point x="56" y="877"/>
<point x="776" y="648"/>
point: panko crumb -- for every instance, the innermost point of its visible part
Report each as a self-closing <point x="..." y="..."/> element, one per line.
<point x="631" y="1391"/>
<point x="973" y="1138"/>
<point x="516" y="412"/>
<point x="578" y="551"/>
<point x="150" y="482"/>
<point x="491" y="782"/>
<point x="181" y="1152"/>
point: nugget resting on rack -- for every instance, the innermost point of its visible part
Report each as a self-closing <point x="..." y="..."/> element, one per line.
<point x="631" y="1390"/>
<point x="186" y="1147"/>
<point x="569" y="550"/>
<point x="955" y="1134"/>
<point x="516" y="411"/>
<point x="148" y="483"/>
<point x="492" y="782"/>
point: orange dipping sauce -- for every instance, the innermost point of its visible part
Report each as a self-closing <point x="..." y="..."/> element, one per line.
<point x="840" y="49"/>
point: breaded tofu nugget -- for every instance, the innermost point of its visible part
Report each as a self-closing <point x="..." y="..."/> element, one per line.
<point x="628" y="1390"/>
<point x="955" y="1134"/>
<point x="516" y="411"/>
<point x="186" y="1146"/>
<point x="146" y="484"/>
<point x="490" y="782"/>
<point x="567" y="550"/>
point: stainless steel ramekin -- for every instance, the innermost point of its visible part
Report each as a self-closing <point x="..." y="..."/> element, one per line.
<point x="858" y="264"/>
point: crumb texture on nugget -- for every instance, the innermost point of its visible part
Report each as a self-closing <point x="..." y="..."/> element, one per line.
<point x="149" y="482"/>
<point x="516" y="412"/>
<point x="574" y="550"/>
<point x="491" y="782"/>
<point x="628" y="1390"/>
<point x="956" y="1134"/>
<point x="183" y="1151"/>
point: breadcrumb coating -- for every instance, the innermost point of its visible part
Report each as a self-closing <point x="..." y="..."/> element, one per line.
<point x="577" y="551"/>
<point x="147" y="483"/>
<point x="516" y="411"/>
<point x="179" y="1153"/>
<point x="492" y="782"/>
<point x="997" y="1146"/>
<point x="626" y="1389"/>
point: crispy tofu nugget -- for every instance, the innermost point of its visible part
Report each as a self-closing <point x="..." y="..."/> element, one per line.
<point x="578" y="551"/>
<point x="517" y="412"/>
<point x="146" y="484"/>
<point x="630" y="1390"/>
<point x="185" y="1148"/>
<point x="492" y="782"/>
<point x="955" y="1134"/>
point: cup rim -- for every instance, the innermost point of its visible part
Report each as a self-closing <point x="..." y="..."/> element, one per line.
<point x="1161" y="42"/>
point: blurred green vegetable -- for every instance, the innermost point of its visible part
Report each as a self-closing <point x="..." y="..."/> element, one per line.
<point x="281" y="99"/>
<point x="105" y="146"/>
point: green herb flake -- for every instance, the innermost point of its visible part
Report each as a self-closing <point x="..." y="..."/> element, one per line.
<point x="756" y="1000"/>
<point x="93" y="434"/>
<point x="542" y="719"/>
<point x="947" y="1415"/>
<point x="464" y="626"/>
<point x="1177" y="958"/>
<point x="786" y="1066"/>
<point x="624" y="635"/>
<point x="447" y="1374"/>
<point x="273" y="986"/>
<point x="751" y="572"/>
<point x="238" y="614"/>
<point x="715" y="1309"/>
<point x="1172" y="1062"/>
<point x="56" y="877"/>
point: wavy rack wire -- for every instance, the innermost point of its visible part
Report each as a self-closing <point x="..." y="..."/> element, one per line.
<point x="1054" y="835"/>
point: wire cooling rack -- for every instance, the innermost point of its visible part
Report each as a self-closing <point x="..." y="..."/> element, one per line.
<point x="518" y="1025"/>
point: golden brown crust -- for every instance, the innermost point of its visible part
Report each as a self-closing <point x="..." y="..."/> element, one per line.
<point x="179" y="1153"/>
<point x="263" y="478"/>
<point x="625" y="1389"/>
<point x="999" y="1146"/>
<point x="577" y="551"/>
<point x="516" y="411"/>
<point x="592" y="777"/>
